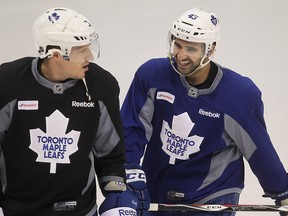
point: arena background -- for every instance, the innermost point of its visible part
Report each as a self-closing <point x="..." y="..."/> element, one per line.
<point x="254" y="43"/>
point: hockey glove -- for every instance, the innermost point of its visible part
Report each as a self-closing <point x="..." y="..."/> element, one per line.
<point x="136" y="183"/>
<point x="280" y="199"/>
<point x="119" y="204"/>
<point x="282" y="202"/>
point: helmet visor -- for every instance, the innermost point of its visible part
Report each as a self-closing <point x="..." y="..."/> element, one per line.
<point x="95" y="48"/>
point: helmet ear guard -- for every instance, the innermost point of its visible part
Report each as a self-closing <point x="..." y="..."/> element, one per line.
<point x="62" y="29"/>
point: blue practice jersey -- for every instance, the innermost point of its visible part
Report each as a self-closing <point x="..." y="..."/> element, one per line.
<point x="196" y="138"/>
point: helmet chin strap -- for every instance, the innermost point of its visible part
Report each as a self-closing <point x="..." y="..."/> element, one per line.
<point x="201" y="64"/>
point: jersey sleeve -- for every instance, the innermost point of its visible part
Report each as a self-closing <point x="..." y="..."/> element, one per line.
<point x="249" y="132"/>
<point x="137" y="112"/>
<point x="109" y="148"/>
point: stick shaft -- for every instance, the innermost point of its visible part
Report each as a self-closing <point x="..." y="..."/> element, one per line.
<point x="217" y="208"/>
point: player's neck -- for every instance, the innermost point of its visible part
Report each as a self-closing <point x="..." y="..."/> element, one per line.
<point x="49" y="71"/>
<point x="199" y="76"/>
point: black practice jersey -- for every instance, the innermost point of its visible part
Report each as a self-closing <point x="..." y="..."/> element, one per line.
<point x="54" y="137"/>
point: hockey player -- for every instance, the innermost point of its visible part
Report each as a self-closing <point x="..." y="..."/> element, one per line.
<point x="199" y="120"/>
<point x="60" y="125"/>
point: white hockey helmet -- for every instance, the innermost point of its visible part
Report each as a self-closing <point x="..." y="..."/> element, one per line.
<point x="62" y="29"/>
<point x="198" y="26"/>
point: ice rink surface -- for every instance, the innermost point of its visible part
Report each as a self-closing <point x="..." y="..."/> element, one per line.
<point x="254" y="43"/>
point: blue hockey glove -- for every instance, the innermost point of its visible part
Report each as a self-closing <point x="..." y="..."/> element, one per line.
<point x="119" y="204"/>
<point x="136" y="183"/>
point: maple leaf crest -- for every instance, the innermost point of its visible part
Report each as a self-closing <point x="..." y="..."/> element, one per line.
<point x="54" y="146"/>
<point x="176" y="141"/>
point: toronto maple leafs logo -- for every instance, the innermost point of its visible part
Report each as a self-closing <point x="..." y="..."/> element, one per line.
<point x="193" y="16"/>
<point x="176" y="141"/>
<point x="54" y="146"/>
<point x="53" y="17"/>
<point x="214" y="20"/>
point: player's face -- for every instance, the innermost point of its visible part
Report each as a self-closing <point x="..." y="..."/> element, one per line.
<point x="188" y="55"/>
<point x="80" y="56"/>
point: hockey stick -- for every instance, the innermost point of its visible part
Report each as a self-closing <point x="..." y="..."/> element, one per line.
<point x="216" y="208"/>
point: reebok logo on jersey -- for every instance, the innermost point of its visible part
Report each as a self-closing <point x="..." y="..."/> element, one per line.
<point x="209" y="114"/>
<point x="165" y="96"/>
<point x="82" y="104"/>
<point x="28" y="105"/>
